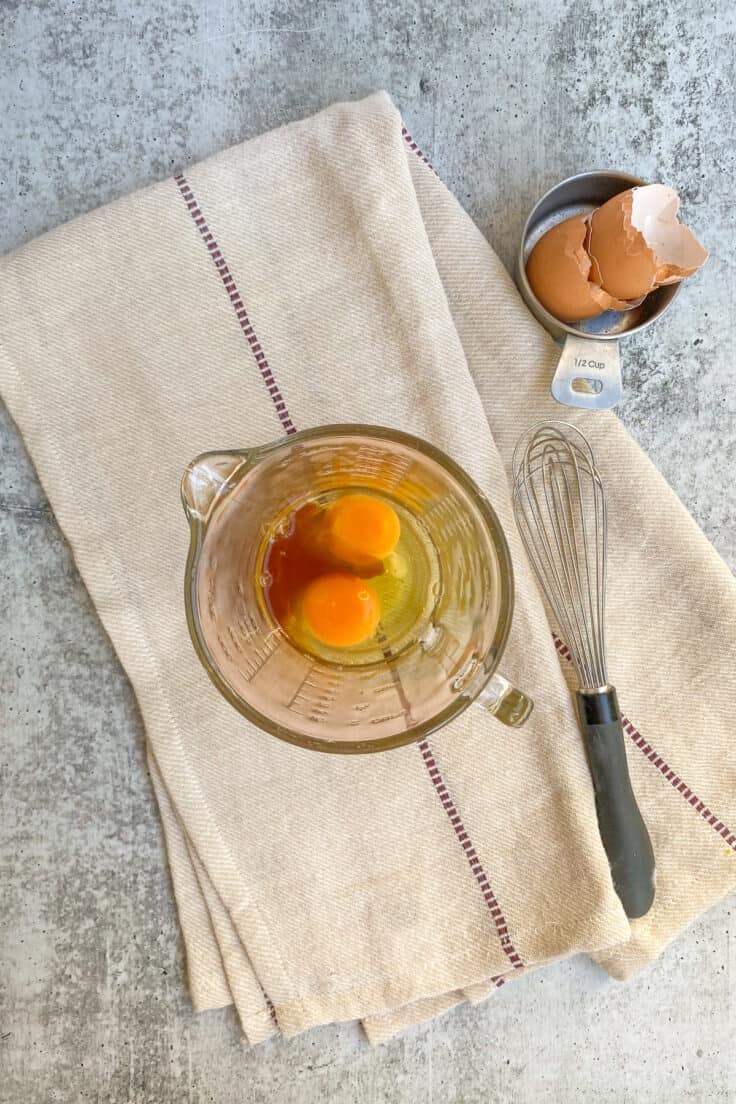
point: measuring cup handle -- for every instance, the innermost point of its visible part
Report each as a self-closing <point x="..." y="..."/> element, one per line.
<point x="588" y="374"/>
<point x="504" y="702"/>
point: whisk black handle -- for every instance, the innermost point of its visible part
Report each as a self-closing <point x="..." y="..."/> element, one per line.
<point x="622" y="828"/>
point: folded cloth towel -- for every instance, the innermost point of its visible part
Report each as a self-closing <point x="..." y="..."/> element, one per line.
<point x="322" y="273"/>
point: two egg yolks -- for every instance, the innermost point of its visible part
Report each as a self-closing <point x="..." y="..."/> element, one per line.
<point x="340" y="608"/>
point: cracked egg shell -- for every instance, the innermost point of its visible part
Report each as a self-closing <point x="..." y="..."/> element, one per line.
<point x="558" y="270"/>
<point x="636" y="242"/>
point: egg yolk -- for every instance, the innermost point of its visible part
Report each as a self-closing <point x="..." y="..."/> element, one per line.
<point x="360" y="529"/>
<point x="340" y="609"/>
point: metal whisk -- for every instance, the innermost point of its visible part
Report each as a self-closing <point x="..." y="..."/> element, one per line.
<point x="560" y="509"/>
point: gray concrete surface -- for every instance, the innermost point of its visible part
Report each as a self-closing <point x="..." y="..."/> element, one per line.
<point x="100" y="96"/>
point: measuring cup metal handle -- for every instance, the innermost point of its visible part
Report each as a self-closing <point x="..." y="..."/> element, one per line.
<point x="504" y="702"/>
<point x="595" y="367"/>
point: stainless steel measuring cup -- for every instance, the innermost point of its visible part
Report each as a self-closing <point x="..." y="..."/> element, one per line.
<point x="589" y="370"/>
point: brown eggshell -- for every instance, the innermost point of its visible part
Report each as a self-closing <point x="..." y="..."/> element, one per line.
<point x="677" y="251"/>
<point x="558" y="271"/>
<point x="622" y="261"/>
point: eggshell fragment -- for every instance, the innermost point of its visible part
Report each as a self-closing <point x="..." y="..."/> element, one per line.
<point x="678" y="251"/>
<point x="559" y="270"/>
<point x="637" y="244"/>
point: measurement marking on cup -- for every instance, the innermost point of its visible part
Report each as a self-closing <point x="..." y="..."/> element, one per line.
<point x="584" y="362"/>
<point x="300" y="687"/>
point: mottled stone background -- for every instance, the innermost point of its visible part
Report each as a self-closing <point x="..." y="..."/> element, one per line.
<point x="98" y="97"/>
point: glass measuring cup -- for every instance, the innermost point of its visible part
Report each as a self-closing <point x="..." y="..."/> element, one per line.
<point x="402" y="691"/>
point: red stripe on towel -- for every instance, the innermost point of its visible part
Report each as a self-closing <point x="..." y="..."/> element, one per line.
<point x="235" y="297"/>
<point x="269" y="1006"/>
<point x="665" y="769"/>
<point x="440" y="787"/>
<point x="246" y="326"/>
<point x="471" y="855"/>
<point x="415" y="148"/>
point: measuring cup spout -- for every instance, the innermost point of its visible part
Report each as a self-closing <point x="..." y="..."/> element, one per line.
<point x="209" y="476"/>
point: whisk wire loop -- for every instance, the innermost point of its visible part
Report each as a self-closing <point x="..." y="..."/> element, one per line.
<point x="561" y="514"/>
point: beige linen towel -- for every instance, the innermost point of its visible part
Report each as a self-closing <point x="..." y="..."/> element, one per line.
<point x="323" y="273"/>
